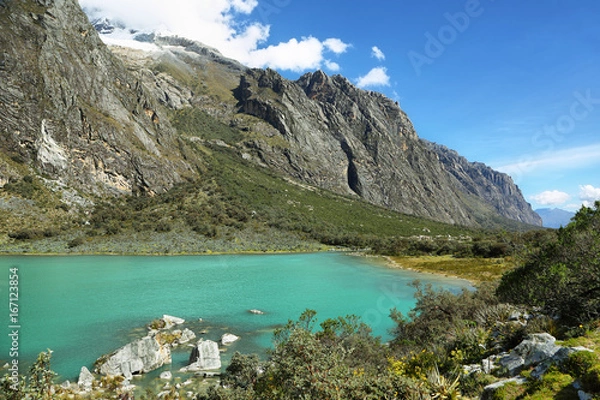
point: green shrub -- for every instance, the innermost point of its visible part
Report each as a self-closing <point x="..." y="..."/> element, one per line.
<point x="25" y="187"/>
<point x="163" y="226"/>
<point x="78" y="241"/>
<point x="585" y="366"/>
<point x="563" y="277"/>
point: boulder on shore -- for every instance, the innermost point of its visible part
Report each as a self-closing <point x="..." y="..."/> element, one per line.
<point x="205" y="356"/>
<point x="531" y="351"/>
<point x="138" y="357"/>
<point x="86" y="379"/>
<point x="171" y="321"/>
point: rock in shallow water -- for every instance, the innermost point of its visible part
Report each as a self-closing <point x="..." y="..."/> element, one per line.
<point x="228" y="338"/>
<point x="171" y="321"/>
<point x="138" y="357"/>
<point x="166" y="375"/>
<point x="205" y="356"/>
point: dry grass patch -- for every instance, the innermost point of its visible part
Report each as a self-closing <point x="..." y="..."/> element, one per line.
<point x="473" y="269"/>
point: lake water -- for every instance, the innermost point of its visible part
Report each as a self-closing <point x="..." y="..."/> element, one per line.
<point x="82" y="307"/>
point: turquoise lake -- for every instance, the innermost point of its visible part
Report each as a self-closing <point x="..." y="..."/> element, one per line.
<point x="82" y="307"/>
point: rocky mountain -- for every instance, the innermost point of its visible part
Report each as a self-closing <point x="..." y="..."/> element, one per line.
<point x="361" y="143"/>
<point x="123" y="121"/>
<point x="495" y="188"/>
<point x="555" y="217"/>
<point x="72" y="111"/>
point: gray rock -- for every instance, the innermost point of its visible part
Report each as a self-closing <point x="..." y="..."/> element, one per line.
<point x="171" y="321"/>
<point x="533" y="350"/>
<point x="186" y="336"/>
<point x="228" y="339"/>
<point x="81" y="117"/>
<point x="489" y="390"/>
<point x="141" y="356"/>
<point x="537" y="347"/>
<point x="166" y="375"/>
<point x="561" y="355"/>
<point x="471" y="369"/>
<point x="512" y="362"/>
<point x="86" y="379"/>
<point x="205" y="356"/>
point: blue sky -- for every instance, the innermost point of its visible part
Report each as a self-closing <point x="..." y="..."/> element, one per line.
<point x="513" y="84"/>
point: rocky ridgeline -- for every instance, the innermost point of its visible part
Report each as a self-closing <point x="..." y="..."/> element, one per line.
<point x="361" y="143"/>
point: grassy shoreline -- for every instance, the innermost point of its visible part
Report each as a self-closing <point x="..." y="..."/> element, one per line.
<point x="475" y="270"/>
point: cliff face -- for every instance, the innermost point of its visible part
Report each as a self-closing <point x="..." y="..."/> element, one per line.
<point x="495" y="188"/>
<point x="356" y="142"/>
<point x="72" y="111"/>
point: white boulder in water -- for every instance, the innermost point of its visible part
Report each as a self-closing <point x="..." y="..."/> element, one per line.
<point x="205" y="356"/>
<point x="138" y="357"/>
<point x="228" y="338"/>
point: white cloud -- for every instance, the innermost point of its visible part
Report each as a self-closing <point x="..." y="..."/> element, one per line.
<point x="561" y="160"/>
<point x="336" y="45"/>
<point x="293" y="55"/>
<point x="223" y="24"/>
<point x="572" y="207"/>
<point x="551" y="197"/>
<point x="332" y="66"/>
<point x="375" y="77"/>
<point x="377" y="53"/>
<point x="588" y="194"/>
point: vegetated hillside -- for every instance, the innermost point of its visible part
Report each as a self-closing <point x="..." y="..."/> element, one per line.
<point x="82" y="126"/>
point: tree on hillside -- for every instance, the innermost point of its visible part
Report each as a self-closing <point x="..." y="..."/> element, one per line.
<point x="563" y="277"/>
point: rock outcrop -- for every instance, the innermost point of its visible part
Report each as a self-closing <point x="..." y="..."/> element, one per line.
<point x="138" y="357"/>
<point x="537" y="351"/>
<point x="70" y="109"/>
<point x="495" y="188"/>
<point x="86" y="379"/>
<point x="228" y="339"/>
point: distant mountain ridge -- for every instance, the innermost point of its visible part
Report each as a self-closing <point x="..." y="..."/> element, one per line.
<point x="103" y="122"/>
<point x="555" y="217"/>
